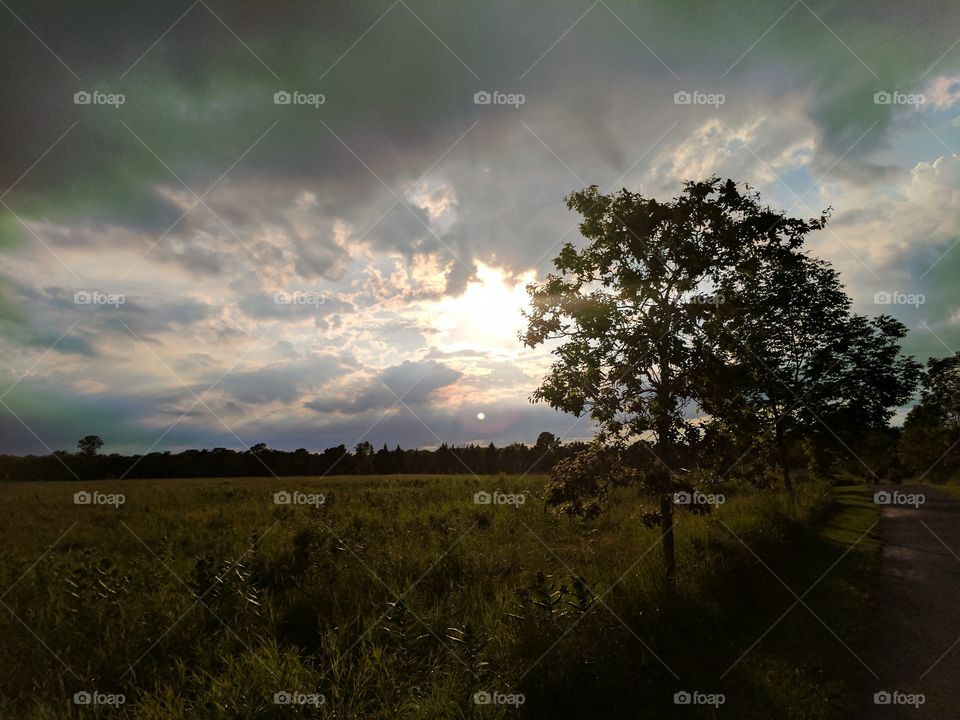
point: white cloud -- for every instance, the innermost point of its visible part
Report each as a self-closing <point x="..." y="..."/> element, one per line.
<point x="943" y="91"/>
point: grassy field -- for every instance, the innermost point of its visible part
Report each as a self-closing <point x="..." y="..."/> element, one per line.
<point x="401" y="597"/>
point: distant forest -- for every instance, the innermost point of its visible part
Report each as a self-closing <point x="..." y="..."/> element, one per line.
<point x="889" y="455"/>
<point x="261" y="461"/>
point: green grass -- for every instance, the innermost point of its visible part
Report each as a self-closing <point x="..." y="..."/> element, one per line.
<point x="304" y="598"/>
<point x="815" y="652"/>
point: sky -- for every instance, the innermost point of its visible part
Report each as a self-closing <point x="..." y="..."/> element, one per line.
<point x="309" y="224"/>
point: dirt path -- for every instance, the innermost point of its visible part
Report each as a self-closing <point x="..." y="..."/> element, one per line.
<point x="917" y="623"/>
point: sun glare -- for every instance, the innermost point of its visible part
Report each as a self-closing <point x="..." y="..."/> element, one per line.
<point x="487" y="314"/>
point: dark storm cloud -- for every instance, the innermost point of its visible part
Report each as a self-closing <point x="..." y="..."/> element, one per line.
<point x="286" y="382"/>
<point x="413" y="383"/>
<point x="200" y="99"/>
<point x="128" y="315"/>
<point x="60" y="418"/>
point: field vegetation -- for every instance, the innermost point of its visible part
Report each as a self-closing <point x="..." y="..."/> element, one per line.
<point x="403" y="597"/>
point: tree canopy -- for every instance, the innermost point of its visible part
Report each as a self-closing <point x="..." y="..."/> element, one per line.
<point x="676" y="325"/>
<point x="631" y="306"/>
<point x="931" y="432"/>
<point x="785" y="356"/>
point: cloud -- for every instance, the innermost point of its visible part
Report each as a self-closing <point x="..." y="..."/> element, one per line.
<point x="286" y="382"/>
<point x="437" y="354"/>
<point x="410" y="383"/>
<point x="387" y="200"/>
<point x="943" y="92"/>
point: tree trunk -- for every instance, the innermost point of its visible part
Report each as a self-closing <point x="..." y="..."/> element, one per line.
<point x="666" y="538"/>
<point x="787" y="481"/>
<point x="784" y="460"/>
<point x="665" y="452"/>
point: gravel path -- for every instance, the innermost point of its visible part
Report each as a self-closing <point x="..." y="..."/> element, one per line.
<point x="916" y="643"/>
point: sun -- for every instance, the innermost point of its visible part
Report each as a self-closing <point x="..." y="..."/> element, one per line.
<point x="487" y="315"/>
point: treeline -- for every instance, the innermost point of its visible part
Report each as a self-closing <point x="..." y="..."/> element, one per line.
<point x="928" y="446"/>
<point x="930" y="443"/>
<point x="261" y="461"/>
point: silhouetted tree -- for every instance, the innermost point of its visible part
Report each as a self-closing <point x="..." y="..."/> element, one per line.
<point x="90" y="445"/>
<point x="363" y="456"/>
<point x="930" y="444"/>
<point x="786" y="360"/>
<point x="630" y="305"/>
